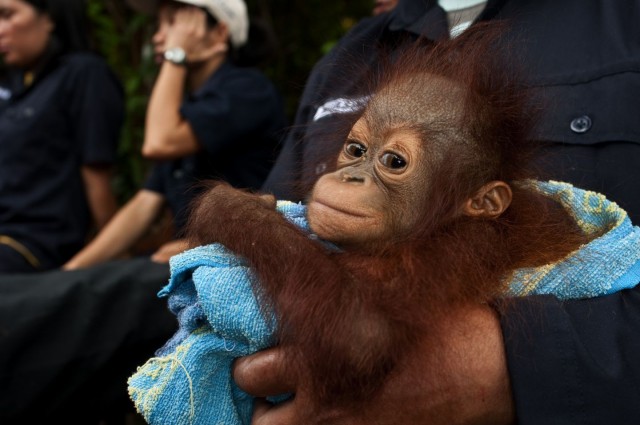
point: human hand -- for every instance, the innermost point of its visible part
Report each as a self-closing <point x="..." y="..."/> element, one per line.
<point x="189" y="30"/>
<point x="168" y="250"/>
<point x="463" y="380"/>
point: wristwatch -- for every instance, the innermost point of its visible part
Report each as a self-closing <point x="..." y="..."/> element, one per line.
<point x="176" y="55"/>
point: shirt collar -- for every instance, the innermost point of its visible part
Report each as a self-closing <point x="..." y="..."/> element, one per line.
<point x="420" y="17"/>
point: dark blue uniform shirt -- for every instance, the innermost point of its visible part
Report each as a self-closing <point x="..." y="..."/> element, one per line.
<point x="69" y="117"/>
<point x="582" y="57"/>
<point x="237" y="117"/>
<point x="572" y="362"/>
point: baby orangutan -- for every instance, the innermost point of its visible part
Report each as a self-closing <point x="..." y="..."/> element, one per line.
<point x="424" y="209"/>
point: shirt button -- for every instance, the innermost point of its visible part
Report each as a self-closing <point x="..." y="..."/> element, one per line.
<point x="581" y="124"/>
<point x="178" y="174"/>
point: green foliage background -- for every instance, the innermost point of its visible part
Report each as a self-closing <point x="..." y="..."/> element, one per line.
<point x="304" y="30"/>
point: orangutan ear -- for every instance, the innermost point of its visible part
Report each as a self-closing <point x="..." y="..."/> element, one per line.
<point x="490" y="201"/>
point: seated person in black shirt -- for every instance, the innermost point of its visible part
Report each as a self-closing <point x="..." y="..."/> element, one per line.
<point x="207" y="119"/>
<point x="540" y="361"/>
<point x="61" y="112"/>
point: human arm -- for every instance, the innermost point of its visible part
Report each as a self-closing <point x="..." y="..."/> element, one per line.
<point x="168" y="250"/>
<point x="102" y="200"/>
<point x="168" y="135"/>
<point x="125" y="229"/>
<point x="470" y="386"/>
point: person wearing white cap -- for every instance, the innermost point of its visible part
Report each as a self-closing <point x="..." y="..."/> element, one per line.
<point x="231" y="13"/>
<point x="207" y="118"/>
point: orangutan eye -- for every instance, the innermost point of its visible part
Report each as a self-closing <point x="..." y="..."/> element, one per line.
<point x="355" y="149"/>
<point x="393" y="161"/>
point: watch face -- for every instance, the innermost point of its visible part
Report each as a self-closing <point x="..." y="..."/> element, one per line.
<point x="175" y="55"/>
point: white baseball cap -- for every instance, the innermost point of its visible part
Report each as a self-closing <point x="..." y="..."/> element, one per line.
<point x="232" y="12"/>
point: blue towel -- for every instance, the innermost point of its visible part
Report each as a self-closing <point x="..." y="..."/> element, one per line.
<point x="189" y="382"/>
<point x="605" y="265"/>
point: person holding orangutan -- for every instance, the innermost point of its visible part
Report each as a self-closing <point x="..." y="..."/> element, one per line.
<point x="544" y="360"/>
<point x="431" y="209"/>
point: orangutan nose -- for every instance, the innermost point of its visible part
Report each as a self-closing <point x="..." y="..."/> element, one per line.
<point x="351" y="177"/>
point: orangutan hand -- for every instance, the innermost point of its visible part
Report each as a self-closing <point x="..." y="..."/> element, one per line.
<point x="232" y="209"/>
<point x="471" y="386"/>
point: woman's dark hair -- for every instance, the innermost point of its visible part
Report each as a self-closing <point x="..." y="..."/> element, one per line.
<point x="71" y="27"/>
<point x="211" y="20"/>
